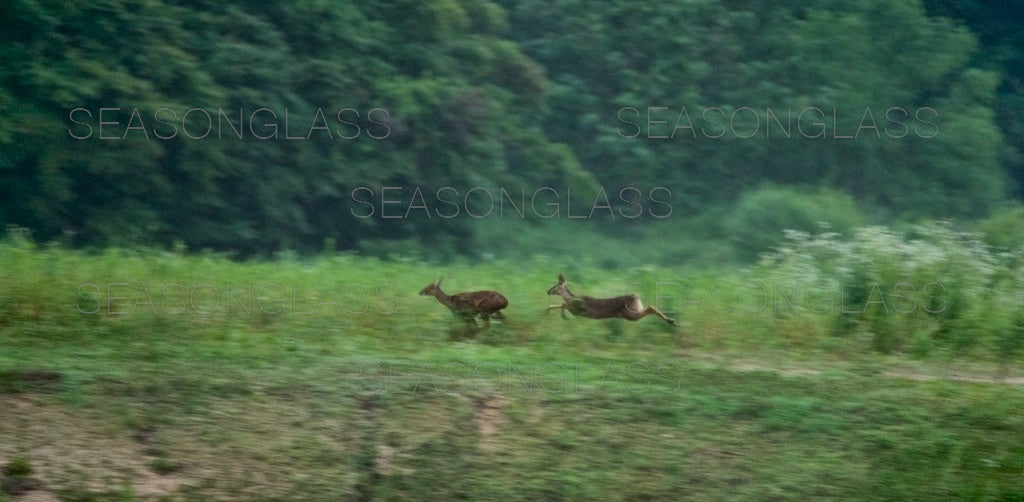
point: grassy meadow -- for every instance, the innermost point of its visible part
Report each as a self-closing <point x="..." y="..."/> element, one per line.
<point x="154" y="375"/>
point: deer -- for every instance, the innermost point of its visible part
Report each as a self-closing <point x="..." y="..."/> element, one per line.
<point x="627" y="307"/>
<point x="468" y="306"/>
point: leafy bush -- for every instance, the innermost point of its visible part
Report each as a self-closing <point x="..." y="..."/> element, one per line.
<point x="1005" y="228"/>
<point x="760" y="217"/>
<point x="18" y="467"/>
<point x="932" y="287"/>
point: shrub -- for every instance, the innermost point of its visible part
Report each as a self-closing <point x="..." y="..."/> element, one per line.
<point x="760" y="217"/>
<point x="18" y="467"/>
<point x="1005" y="228"/>
<point x="932" y="287"/>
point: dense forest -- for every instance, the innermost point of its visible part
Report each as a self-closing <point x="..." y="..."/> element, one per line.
<point x="314" y="124"/>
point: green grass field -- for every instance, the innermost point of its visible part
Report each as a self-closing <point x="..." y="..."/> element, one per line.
<point x="148" y="375"/>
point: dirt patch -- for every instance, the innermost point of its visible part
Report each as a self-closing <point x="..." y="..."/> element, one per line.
<point x="956" y="377"/>
<point x="384" y="455"/>
<point x="150" y="484"/>
<point x="71" y="450"/>
<point x="717" y="453"/>
<point x="490" y="416"/>
<point x="745" y="366"/>
<point x="41" y="495"/>
<point x="19" y="485"/>
<point x="916" y="374"/>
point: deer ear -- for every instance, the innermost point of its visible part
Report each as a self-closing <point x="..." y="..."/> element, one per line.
<point x="438" y="283"/>
<point x="561" y="278"/>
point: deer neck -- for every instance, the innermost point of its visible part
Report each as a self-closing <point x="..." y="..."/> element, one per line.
<point x="566" y="294"/>
<point x="443" y="298"/>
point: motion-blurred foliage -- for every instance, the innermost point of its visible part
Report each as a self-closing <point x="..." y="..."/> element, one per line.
<point x="933" y="287"/>
<point x="333" y="369"/>
<point x="760" y="217"/>
<point x="874" y="289"/>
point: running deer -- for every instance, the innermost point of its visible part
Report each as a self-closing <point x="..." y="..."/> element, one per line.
<point x="627" y="307"/>
<point x="486" y="304"/>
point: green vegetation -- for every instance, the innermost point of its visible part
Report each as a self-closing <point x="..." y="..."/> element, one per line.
<point x="215" y="217"/>
<point x="761" y="217"/>
<point x="718" y="67"/>
<point x="1005" y="228"/>
<point x="460" y="94"/>
<point x="14" y="478"/>
<point x="935" y="286"/>
<point x="19" y="467"/>
<point x="330" y="378"/>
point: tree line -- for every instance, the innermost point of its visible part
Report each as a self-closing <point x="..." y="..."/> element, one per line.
<point x="219" y="125"/>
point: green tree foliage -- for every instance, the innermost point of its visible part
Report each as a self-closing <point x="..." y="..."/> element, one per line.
<point x="997" y="25"/>
<point x="486" y="93"/>
<point x="662" y="67"/>
<point x="454" y="106"/>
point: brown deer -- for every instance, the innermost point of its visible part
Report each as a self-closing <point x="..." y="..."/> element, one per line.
<point x="467" y="306"/>
<point x="627" y="307"/>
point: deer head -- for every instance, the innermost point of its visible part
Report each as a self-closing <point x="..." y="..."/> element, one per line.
<point x="432" y="288"/>
<point x="560" y="289"/>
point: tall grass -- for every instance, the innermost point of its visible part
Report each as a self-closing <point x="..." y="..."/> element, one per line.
<point x="329" y="378"/>
<point x="932" y="289"/>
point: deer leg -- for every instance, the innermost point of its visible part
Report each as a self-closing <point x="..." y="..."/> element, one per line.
<point x="655" y="311"/>
<point x="498" y="315"/>
<point x="562" y="306"/>
<point x="470" y="326"/>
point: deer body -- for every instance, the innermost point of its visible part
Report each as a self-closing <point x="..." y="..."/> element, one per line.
<point x="627" y="307"/>
<point x="468" y="306"/>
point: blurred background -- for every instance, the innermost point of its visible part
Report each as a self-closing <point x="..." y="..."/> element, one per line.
<point x="702" y="98"/>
